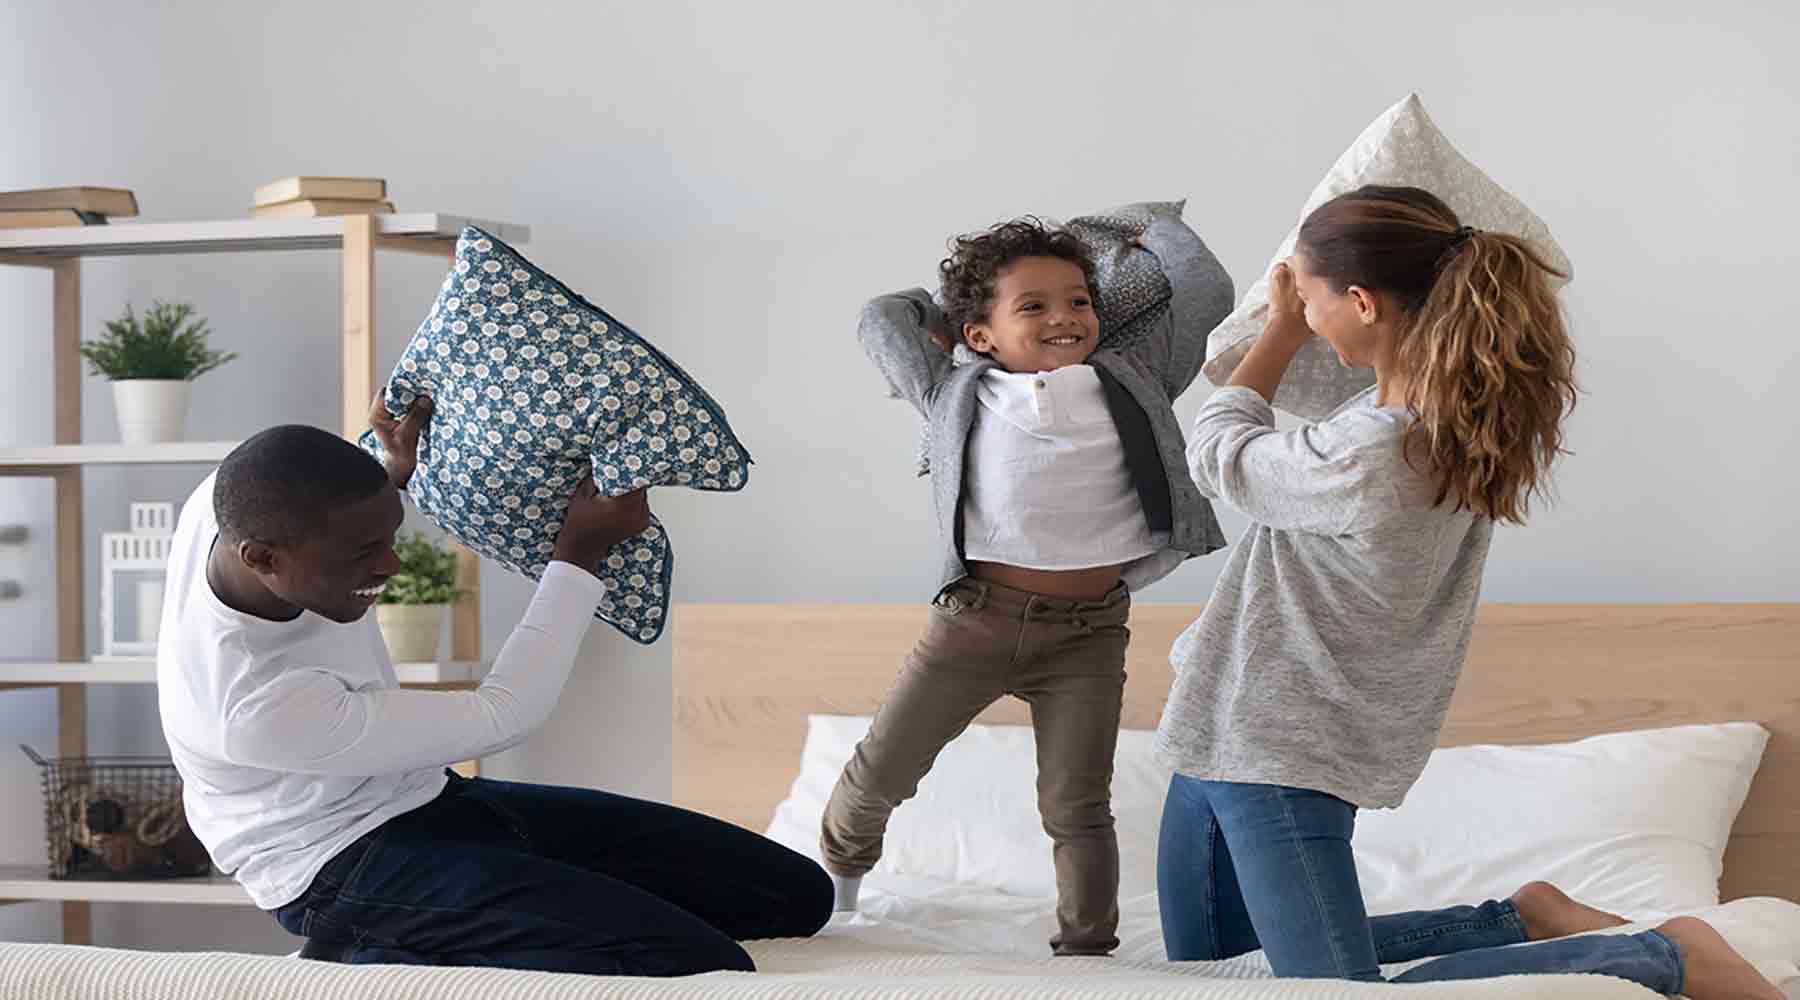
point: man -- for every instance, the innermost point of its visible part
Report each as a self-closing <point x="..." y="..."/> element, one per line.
<point x="320" y="784"/>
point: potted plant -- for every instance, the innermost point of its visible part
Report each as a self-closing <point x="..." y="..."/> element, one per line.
<point x="411" y="610"/>
<point x="150" y="366"/>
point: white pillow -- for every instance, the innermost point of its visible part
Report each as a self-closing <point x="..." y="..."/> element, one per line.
<point x="1632" y="822"/>
<point x="975" y="819"/>
<point x="1402" y="148"/>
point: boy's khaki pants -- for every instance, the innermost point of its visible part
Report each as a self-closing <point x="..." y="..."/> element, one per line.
<point x="1066" y="659"/>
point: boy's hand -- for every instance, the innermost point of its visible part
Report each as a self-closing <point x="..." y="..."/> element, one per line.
<point x="400" y="436"/>
<point x="942" y="338"/>
<point x="595" y="523"/>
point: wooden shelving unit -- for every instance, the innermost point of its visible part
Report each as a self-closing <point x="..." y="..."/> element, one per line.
<point x="357" y="240"/>
<point x="28" y="461"/>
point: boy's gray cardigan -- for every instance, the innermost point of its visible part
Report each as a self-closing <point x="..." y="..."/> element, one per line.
<point x="1141" y="379"/>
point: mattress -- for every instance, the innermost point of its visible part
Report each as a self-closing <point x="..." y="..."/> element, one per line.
<point x="912" y="938"/>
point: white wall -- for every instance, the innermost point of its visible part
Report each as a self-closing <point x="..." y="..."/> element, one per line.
<point x="734" y="179"/>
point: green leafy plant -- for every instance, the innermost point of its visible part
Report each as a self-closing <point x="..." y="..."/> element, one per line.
<point x="170" y="344"/>
<point x="427" y="573"/>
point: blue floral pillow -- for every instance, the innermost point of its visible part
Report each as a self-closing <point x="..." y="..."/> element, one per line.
<point x="534" y="386"/>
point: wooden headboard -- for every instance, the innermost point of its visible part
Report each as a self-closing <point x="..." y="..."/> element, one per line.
<point x="748" y="675"/>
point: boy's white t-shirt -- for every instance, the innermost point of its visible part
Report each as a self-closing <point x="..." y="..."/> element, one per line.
<point x="294" y="738"/>
<point x="1045" y="484"/>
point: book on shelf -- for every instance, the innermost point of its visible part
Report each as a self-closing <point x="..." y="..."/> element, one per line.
<point x="321" y="188"/>
<point x="49" y="219"/>
<point x="95" y="200"/>
<point x="317" y="207"/>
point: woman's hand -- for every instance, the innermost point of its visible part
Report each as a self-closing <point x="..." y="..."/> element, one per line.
<point x="1284" y="333"/>
<point x="1287" y="311"/>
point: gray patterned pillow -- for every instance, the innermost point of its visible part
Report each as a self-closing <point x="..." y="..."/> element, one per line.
<point x="1133" y="291"/>
<point x="534" y="386"/>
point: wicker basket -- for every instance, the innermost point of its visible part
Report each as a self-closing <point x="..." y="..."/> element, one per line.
<point x="117" y="818"/>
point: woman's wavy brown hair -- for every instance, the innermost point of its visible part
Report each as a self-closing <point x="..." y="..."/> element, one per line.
<point x="1486" y="352"/>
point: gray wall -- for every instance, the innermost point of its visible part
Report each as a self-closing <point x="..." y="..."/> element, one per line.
<point x="734" y="179"/>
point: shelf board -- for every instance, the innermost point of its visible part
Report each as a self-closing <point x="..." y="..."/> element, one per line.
<point x="143" y="671"/>
<point x="119" y="239"/>
<point x="16" y="460"/>
<point x="28" y="882"/>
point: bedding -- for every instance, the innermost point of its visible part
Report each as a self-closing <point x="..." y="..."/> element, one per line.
<point x="915" y="938"/>
<point x="1632" y="822"/>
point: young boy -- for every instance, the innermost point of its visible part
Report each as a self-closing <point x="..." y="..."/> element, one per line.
<point x="1061" y="486"/>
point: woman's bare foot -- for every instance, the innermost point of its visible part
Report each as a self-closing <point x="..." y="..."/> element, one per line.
<point x="1714" y="971"/>
<point x="1549" y="913"/>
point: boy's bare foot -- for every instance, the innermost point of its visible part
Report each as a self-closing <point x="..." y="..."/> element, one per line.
<point x="1549" y="913"/>
<point x="1714" y="971"/>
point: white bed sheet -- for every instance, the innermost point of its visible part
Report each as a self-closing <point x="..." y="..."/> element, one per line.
<point x="903" y="915"/>
<point x="913" y="938"/>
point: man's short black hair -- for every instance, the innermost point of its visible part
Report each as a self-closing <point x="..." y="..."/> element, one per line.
<point x="281" y="482"/>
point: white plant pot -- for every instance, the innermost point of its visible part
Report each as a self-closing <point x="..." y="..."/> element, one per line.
<point x="411" y="630"/>
<point x="150" y="409"/>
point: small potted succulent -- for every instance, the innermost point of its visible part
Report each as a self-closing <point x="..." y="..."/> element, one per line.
<point x="150" y="365"/>
<point x="411" y="610"/>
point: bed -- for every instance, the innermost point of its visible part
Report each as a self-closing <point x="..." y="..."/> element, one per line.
<point x="757" y="688"/>
<point x="748" y="678"/>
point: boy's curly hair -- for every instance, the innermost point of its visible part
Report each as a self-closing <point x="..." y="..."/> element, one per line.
<point x="968" y="275"/>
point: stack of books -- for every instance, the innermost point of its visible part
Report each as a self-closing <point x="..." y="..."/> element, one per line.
<point x="311" y="197"/>
<point x="68" y="206"/>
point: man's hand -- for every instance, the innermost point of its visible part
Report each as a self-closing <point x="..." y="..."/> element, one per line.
<point x="400" y="437"/>
<point x="596" y="523"/>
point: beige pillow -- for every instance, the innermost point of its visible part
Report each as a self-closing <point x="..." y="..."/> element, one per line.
<point x="1402" y="147"/>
